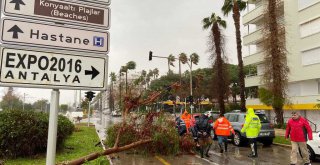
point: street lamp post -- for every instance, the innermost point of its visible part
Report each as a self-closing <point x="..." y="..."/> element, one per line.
<point x="24" y="98"/>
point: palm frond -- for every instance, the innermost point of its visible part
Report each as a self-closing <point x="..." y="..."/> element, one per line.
<point x="227" y="7"/>
<point x="194" y="57"/>
<point x="206" y="23"/>
<point x="223" y="23"/>
<point x="242" y="5"/>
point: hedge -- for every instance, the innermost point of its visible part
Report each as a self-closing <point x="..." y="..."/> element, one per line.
<point x="25" y="133"/>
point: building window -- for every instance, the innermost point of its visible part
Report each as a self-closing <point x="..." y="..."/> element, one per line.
<point x="252" y="92"/>
<point x="310" y="27"/>
<point x="310" y="57"/>
<point x="305" y="3"/>
<point x="251" y="70"/>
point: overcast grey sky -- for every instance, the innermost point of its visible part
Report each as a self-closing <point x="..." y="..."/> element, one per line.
<point x="162" y="26"/>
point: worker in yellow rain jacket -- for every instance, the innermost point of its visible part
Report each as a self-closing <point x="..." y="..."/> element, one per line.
<point x="252" y="128"/>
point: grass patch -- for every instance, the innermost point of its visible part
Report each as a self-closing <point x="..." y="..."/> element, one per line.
<point x="80" y="143"/>
<point x="281" y="140"/>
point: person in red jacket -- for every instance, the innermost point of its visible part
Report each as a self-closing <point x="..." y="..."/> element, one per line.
<point x="299" y="131"/>
<point x="223" y="130"/>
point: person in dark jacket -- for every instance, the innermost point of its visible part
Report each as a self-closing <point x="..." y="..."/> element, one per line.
<point x="203" y="138"/>
<point x="181" y="126"/>
<point x="299" y="131"/>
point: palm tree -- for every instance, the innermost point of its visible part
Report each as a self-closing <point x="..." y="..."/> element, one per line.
<point x="171" y="59"/>
<point x="150" y="75"/>
<point x="236" y="6"/>
<point x="276" y="70"/>
<point x="131" y="65"/>
<point x="155" y="73"/>
<point x="144" y="75"/>
<point x="122" y="69"/>
<point x="113" y="78"/>
<point x="215" y="22"/>
<point x="193" y="59"/>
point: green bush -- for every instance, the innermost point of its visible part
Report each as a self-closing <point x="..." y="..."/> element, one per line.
<point x="24" y="133"/>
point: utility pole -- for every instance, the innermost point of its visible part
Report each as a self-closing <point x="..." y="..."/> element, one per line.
<point x="79" y="98"/>
<point x="89" y="95"/>
<point x="53" y="126"/>
<point x="89" y="102"/>
<point x="24" y="98"/>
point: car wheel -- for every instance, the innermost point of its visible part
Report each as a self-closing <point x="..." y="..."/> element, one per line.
<point x="237" y="139"/>
<point x="312" y="155"/>
<point x="267" y="142"/>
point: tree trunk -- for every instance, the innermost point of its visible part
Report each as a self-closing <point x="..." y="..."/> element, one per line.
<point x="236" y="18"/>
<point x="106" y="152"/>
<point x="279" y="116"/>
<point x="120" y="92"/>
<point x="219" y="64"/>
<point x="277" y="80"/>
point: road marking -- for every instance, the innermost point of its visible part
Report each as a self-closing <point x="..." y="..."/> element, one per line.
<point x="209" y="161"/>
<point x="162" y="160"/>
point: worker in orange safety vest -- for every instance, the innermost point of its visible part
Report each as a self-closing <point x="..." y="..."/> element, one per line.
<point x="223" y="130"/>
<point x="186" y="117"/>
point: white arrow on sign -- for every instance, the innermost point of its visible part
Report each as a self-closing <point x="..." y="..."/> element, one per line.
<point x="44" y="35"/>
<point x="67" y="12"/>
<point x="28" y="69"/>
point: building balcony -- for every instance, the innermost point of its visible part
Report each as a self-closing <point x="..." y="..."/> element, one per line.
<point x="253" y="15"/>
<point x="297" y="103"/>
<point x="253" y="37"/>
<point x="252" y="81"/>
<point x="310" y="42"/>
<point x="253" y="58"/>
<point x="253" y="101"/>
<point x="307" y="13"/>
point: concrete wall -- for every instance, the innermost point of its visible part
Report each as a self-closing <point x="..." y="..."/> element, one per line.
<point x="312" y="116"/>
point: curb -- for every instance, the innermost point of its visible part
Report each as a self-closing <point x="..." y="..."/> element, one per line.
<point x="104" y="147"/>
<point x="282" y="145"/>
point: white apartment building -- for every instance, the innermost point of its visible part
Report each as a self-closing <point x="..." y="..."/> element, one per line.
<point x="302" y="26"/>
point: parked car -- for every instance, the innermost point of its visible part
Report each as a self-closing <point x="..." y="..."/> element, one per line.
<point x="314" y="146"/>
<point x="237" y="120"/>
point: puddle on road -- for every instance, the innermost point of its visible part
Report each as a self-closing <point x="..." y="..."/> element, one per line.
<point x="136" y="159"/>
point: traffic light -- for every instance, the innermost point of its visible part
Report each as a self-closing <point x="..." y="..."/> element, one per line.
<point x="90" y="95"/>
<point x="150" y="55"/>
<point x="191" y="99"/>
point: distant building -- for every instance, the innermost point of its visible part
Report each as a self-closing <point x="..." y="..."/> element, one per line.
<point x="302" y="29"/>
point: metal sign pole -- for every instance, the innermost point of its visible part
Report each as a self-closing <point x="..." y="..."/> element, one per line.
<point x="89" y="114"/>
<point x="53" y="124"/>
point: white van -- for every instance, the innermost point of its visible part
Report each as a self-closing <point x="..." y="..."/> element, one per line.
<point x="314" y="145"/>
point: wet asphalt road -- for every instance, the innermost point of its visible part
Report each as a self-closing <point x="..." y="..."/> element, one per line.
<point x="274" y="155"/>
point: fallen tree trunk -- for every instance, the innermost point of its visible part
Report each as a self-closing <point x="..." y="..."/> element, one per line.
<point x="105" y="152"/>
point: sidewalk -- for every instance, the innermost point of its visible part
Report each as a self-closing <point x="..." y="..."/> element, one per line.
<point x="280" y="132"/>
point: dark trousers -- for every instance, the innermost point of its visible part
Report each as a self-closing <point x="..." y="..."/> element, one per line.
<point x="253" y="145"/>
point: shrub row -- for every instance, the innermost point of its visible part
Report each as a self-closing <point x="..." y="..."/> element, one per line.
<point x="25" y="133"/>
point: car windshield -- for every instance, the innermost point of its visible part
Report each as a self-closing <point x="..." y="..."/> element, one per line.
<point x="263" y="118"/>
